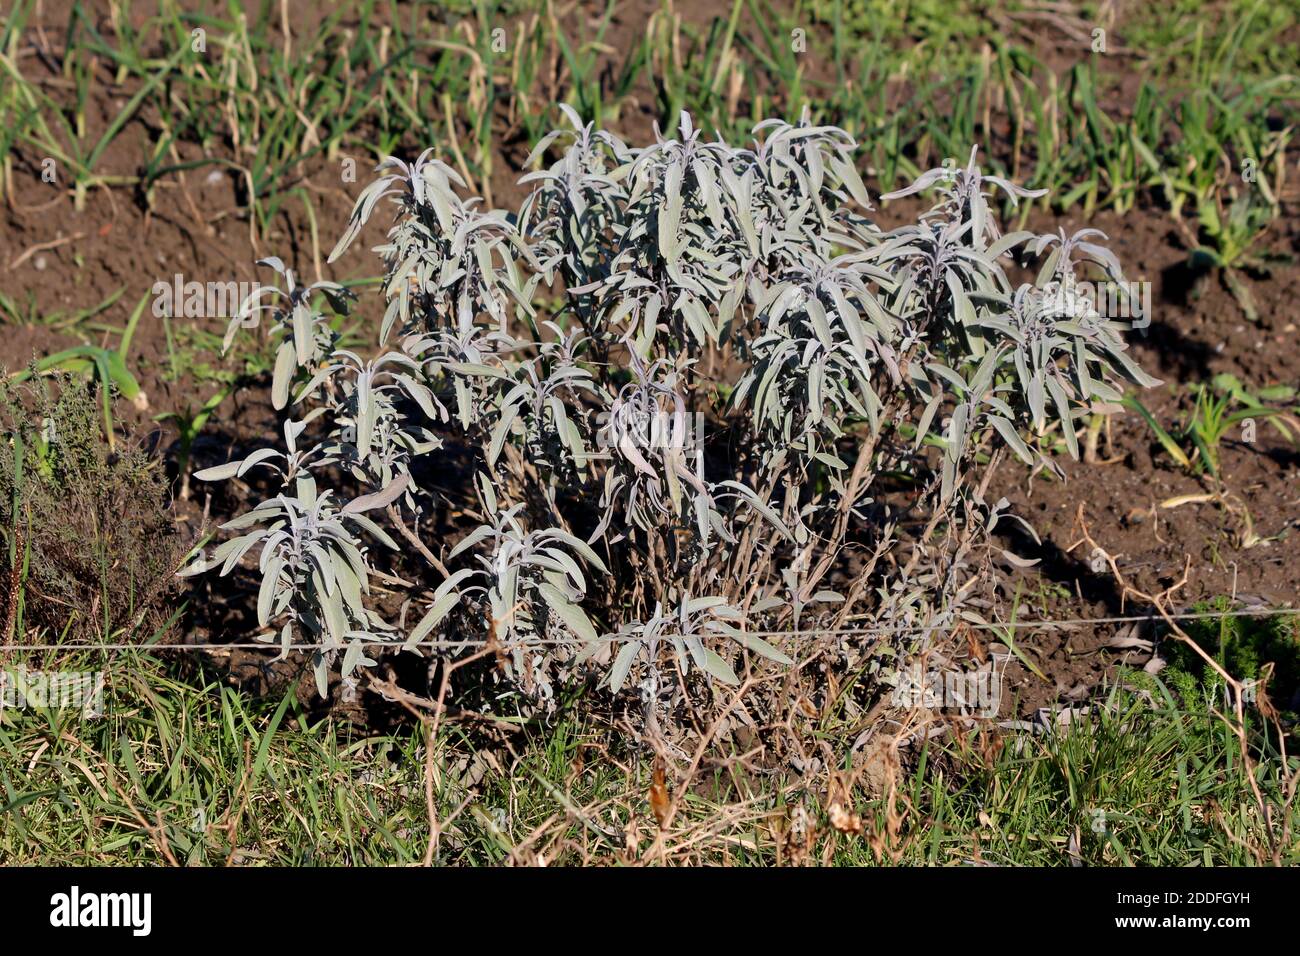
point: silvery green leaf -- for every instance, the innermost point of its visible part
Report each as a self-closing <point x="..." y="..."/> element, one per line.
<point x="830" y="461"/>
<point x="1105" y="392"/>
<point x="957" y="432"/>
<point x="762" y="648"/>
<point x="509" y="594"/>
<point x="573" y="616"/>
<point x="360" y="214"/>
<point x="630" y="452"/>
<point x="350" y="584"/>
<point x="1067" y="418"/>
<point x="1130" y="369"/>
<point x="1007" y="243"/>
<point x="256" y="458"/>
<point x="266" y="592"/>
<point x="321" y="671"/>
<point x="1105" y="257"/>
<point x="623" y="663"/>
<point x="848" y="174"/>
<point x="470" y="540"/>
<point x="464" y="403"/>
<point x="1009" y="435"/>
<point x="423" y="397"/>
<point x="232" y="552"/>
<point x="391" y="314"/>
<point x="540" y="149"/>
<point x="285" y="365"/>
<point x="378" y="499"/>
<point x="376" y="532"/>
<point x="442" y="606"/>
<point x="1018" y="561"/>
<point x="670" y="214"/>
<point x="1048" y="268"/>
<point x="500" y="432"/>
<point x="314" y="382"/>
<point x="948" y="478"/>
<point x="924" y="181"/>
<point x="293" y="429"/>
<point x="302" y="334"/>
<point x="306" y="486"/>
<point x="577" y="544"/>
<point x="697" y="319"/>
<point x="453" y="581"/>
<point x="964" y="311"/>
<point x="331" y="606"/>
<point x="758" y="505"/>
<point x="262" y="513"/>
<point x="219" y="472"/>
<point x="489" y="494"/>
<point x="697" y="604"/>
<point x="952" y="378"/>
<point x="365" y="415"/>
<point x="817" y="315"/>
<point x="927" y="416"/>
<point x="273" y="262"/>
<point x="716" y="667"/>
<point x="1037" y="400"/>
<point x="355" y="655"/>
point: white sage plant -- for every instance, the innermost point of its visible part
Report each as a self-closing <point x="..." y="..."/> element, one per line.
<point x="680" y="462"/>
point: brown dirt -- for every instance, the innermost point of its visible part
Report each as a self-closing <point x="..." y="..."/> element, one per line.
<point x="1197" y="331"/>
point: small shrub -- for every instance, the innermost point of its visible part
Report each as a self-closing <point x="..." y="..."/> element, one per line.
<point x="684" y="458"/>
<point x="90" y="544"/>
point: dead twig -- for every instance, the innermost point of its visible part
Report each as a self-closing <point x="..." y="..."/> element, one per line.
<point x="1276" y="842"/>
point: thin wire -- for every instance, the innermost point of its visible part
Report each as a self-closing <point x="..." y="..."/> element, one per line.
<point x="542" y="642"/>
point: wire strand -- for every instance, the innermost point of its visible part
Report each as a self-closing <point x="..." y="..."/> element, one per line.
<point x="612" y="638"/>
